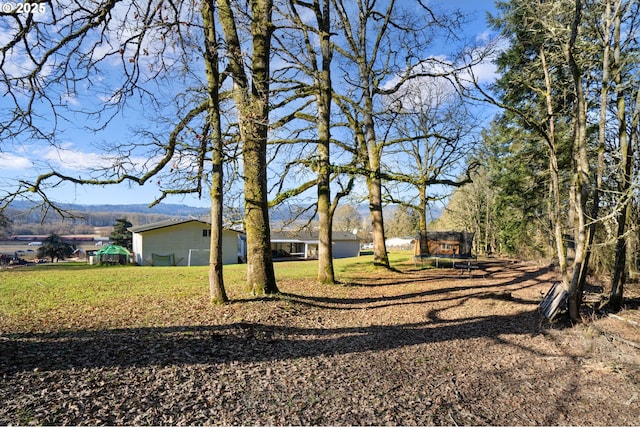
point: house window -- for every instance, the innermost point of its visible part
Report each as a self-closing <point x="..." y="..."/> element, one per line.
<point x="206" y="233"/>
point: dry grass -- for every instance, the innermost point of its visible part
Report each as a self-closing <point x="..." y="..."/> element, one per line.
<point x="410" y="347"/>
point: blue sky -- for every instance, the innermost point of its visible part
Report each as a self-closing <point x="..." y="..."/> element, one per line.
<point x="78" y="149"/>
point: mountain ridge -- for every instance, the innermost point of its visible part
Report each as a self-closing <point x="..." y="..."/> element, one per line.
<point x="159" y="209"/>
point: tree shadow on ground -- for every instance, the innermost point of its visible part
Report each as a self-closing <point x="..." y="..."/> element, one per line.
<point x="519" y="279"/>
<point x="239" y="342"/>
<point x="264" y="342"/>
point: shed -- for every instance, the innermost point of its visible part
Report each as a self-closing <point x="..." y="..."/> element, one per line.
<point x="304" y="243"/>
<point x="181" y="241"/>
<point x="445" y="244"/>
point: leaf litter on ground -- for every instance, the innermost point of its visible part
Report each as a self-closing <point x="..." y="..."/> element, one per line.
<point x="421" y="346"/>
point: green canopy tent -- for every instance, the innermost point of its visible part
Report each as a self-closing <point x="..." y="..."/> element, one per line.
<point x="113" y="254"/>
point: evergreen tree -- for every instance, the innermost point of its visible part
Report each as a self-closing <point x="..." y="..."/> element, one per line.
<point x="5" y="222"/>
<point x="54" y="247"/>
<point x="121" y="235"/>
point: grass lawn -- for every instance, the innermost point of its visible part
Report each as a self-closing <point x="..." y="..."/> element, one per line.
<point x="69" y="295"/>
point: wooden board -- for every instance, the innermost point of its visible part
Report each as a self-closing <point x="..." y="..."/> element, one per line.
<point x="554" y="301"/>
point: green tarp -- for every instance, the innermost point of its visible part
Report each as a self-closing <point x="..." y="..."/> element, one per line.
<point x="113" y="250"/>
<point x="113" y="254"/>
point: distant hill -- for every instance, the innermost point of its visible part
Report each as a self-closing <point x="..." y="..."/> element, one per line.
<point x="27" y="218"/>
<point x="168" y="209"/>
<point x="162" y="209"/>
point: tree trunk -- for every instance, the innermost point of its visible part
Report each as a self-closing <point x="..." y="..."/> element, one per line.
<point x="252" y="102"/>
<point x="487" y="225"/>
<point x="216" y="280"/>
<point x="624" y="175"/>
<point x="619" y="267"/>
<point x="374" y="185"/>
<point x="325" y="253"/>
<point x="380" y="256"/>
<point x="581" y="173"/>
<point x="260" y="273"/>
<point x="554" y="174"/>
<point x="423" y="210"/>
<point x="602" y="127"/>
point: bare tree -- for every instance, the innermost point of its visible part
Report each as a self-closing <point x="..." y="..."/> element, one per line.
<point x="303" y="89"/>
<point x="347" y="218"/>
<point x="312" y="56"/>
<point x="142" y="50"/>
<point x="434" y="140"/>
<point x="371" y="35"/>
<point x="216" y="278"/>
<point x="251" y="96"/>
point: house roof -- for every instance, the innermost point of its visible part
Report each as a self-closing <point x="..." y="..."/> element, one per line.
<point x="277" y="236"/>
<point x="310" y="236"/>
<point x="170" y="223"/>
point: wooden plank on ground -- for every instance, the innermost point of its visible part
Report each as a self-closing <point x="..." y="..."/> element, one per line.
<point x="554" y="301"/>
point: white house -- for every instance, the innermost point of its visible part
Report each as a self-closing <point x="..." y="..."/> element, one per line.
<point x="399" y="243"/>
<point x="181" y="242"/>
<point x="304" y="244"/>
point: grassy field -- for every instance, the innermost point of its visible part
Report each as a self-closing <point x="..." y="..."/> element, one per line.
<point x="69" y="294"/>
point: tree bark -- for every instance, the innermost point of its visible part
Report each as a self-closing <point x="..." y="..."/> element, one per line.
<point x="624" y="175"/>
<point x="216" y="279"/>
<point x="251" y="97"/>
<point x="380" y="256"/>
<point x="374" y="181"/>
<point x="554" y="174"/>
<point x="602" y="127"/>
<point x="422" y="212"/>
<point x="581" y="172"/>
<point x="323" y="83"/>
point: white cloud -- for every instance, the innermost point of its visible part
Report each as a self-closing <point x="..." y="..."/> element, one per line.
<point x="485" y="72"/>
<point x="485" y="36"/>
<point x="70" y="158"/>
<point x="70" y="99"/>
<point x="12" y="162"/>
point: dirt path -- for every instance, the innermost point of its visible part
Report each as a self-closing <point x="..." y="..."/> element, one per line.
<point x="419" y="347"/>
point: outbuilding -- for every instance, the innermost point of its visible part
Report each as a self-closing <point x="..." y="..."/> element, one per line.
<point x="304" y="244"/>
<point x="181" y="241"/>
<point x="445" y="244"/>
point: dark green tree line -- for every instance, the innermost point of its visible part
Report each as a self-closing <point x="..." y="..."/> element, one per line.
<point x="566" y="90"/>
